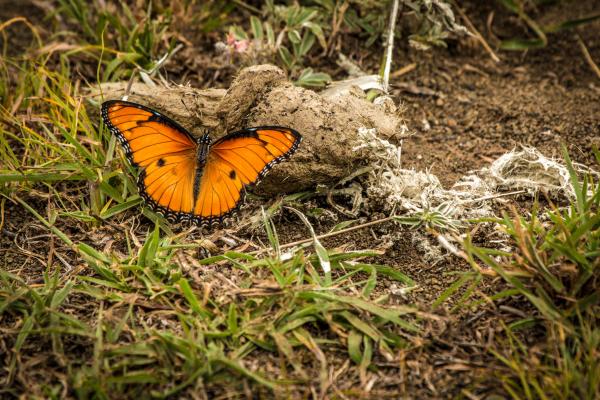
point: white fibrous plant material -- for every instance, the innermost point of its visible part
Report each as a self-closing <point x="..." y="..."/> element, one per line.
<point x="529" y="169"/>
<point x="390" y="186"/>
<point x="525" y="169"/>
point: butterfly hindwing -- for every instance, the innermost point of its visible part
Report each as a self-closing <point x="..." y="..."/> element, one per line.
<point x="176" y="179"/>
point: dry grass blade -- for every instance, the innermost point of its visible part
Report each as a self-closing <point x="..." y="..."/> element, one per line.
<point x="588" y="57"/>
<point x="478" y="35"/>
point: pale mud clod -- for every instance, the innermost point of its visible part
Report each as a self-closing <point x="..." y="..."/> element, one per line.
<point x="261" y="95"/>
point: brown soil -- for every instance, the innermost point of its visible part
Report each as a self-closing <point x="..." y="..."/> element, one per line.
<point x="479" y="109"/>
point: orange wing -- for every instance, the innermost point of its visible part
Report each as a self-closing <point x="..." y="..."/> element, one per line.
<point x="237" y="160"/>
<point x="163" y="150"/>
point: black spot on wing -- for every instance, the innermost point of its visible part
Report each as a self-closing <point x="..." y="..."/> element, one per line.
<point x="232" y="174"/>
<point x="160" y="162"/>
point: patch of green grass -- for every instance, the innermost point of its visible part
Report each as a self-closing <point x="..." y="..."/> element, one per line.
<point x="148" y="317"/>
<point x="157" y="328"/>
<point x="57" y="140"/>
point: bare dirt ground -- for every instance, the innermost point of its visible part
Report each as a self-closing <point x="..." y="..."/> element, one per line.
<point x="465" y="110"/>
<point x="479" y="109"/>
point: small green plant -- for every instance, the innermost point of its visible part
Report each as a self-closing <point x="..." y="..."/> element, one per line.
<point x="434" y="218"/>
<point x="522" y="9"/>
<point x="436" y="22"/>
<point x="291" y="33"/>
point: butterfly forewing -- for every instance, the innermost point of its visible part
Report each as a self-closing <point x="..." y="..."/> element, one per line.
<point x="164" y="151"/>
<point x="170" y="175"/>
<point x="252" y="152"/>
<point x="145" y="134"/>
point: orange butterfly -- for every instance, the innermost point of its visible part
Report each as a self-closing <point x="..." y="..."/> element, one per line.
<point x="188" y="179"/>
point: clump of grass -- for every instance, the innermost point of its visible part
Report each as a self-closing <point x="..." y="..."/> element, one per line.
<point x="123" y="37"/>
<point x="555" y="267"/>
<point x="57" y="140"/>
<point x="117" y="36"/>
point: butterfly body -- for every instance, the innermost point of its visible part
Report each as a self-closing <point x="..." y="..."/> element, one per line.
<point x="189" y="179"/>
<point x="201" y="156"/>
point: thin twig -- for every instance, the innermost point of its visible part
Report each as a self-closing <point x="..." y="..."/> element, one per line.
<point x="125" y="97"/>
<point x="147" y="75"/>
<point x="478" y="35"/>
<point x="330" y="234"/>
<point x="247" y="6"/>
<point x="588" y="56"/>
<point x="390" y="46"/>
<point x="404" y="70"/>
<point x="164" y="59"/>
